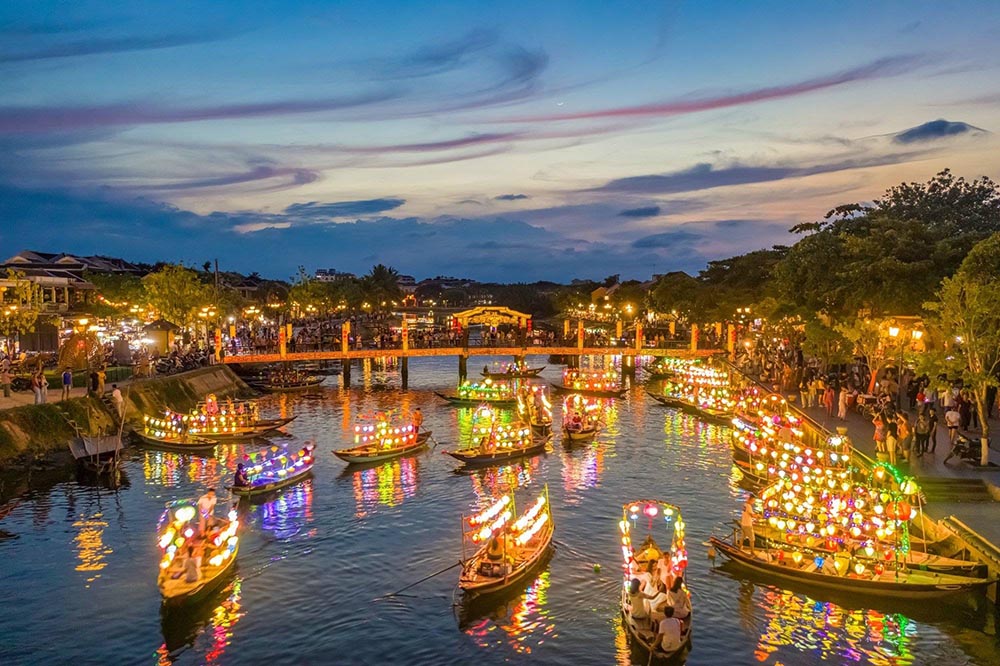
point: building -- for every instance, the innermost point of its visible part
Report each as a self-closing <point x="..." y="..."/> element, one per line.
<point x="333" y="275"/>
<point x="407" y="284"/>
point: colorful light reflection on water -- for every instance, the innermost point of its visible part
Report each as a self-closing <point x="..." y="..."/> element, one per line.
<point x="521" y="624"/>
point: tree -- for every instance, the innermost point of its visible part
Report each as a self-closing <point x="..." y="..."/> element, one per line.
<point x="19" y="300"/>
<point x="381" y="286"/>
<point x="119" y="291"/>
<point x="177" y="293"/>
<point x="311" y="295"/>
<point x="865" y="336"/>
<point x="888" y="256"/>
<point x="824" y="342"/>
<point x="968" y="312"/>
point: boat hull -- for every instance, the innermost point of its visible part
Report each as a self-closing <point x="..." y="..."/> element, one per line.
<point x="191" y="445"/>
<point x="481" y="588"/>
<point x="656" y="654"/>
<point x="251" y="491"/>
<point x="262" y="428"/>
<point x="948" y="585"/>
<point x="529" y="373"/>
<point x="289" y="388"/>
<point x="201" y="591"/>
<point x="474" y="459"/>
<point x="722" y="418"/>
<point x="579" y="435"/>
<point x="361" y="455"/>
<point x="590" y="393"/>
<point x="470" y="402"/>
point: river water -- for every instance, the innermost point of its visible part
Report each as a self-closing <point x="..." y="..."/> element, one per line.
<point x="78" y="563"/>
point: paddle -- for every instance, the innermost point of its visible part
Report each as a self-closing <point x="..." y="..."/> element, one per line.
<point x="437" y="573"/>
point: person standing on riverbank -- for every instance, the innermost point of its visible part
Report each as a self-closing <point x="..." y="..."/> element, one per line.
<point x="5" y="377"/>
<point x="67" y="383"/>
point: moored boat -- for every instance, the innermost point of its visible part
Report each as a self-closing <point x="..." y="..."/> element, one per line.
<point x="496" y="442"/>
<point x="274" y="468"/>
<point x="212" y="555"/>
<point x="471" y="394"/>
<point x="506" y="552"/>
<point x="512" y="371"/>
<point x="380" y="439"/>
<point x="161" y="434"/>
<point x="654" y="578"/>
<point x="899" y="583"/>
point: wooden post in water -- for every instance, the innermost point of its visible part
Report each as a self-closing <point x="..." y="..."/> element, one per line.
<point x="404" y="371"/>
<point x="463" y="367"/>
<point x="345" y="343"/>
<point x="628" y="368"/>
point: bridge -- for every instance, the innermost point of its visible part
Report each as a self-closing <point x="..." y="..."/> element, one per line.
<point x="404" y="353"/>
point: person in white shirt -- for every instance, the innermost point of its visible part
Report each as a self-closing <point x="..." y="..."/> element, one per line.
<point x="118" y="399"/>
<point x="638" y="600"/>
<point x="206" y="509"/>
<point x="678" y="599"/>
<point x="669" y="636"/>
<point x="952" y="419"/>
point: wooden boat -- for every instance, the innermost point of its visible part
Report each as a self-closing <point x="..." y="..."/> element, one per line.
<point x="642" y="564"/>
<point x="175" y="442"/>
<point x="177" y="527"/>
<point x="520" y="373"/>
<point x="509" y="551"/>
<point x="543" y="429"/>
<point x="257" y="429"/>
<point x="276" y="471"/>
<point x="473" y="402"/>
<point x="534" y="408"/>
<point x="480" y="456"/>
<point x="367" y="453"/>
<point x="592" y="393"/>
<point x="290" y="386"/>
<point x="582" y="435"/>
<point x="898" y="583"/>
<point x="97" y="454"/>
<point x="707" y="413"/>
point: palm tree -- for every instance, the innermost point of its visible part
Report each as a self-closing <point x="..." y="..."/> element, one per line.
<point x="381" y="286"/>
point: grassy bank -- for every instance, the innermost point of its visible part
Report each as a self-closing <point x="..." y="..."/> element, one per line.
<point x="40" y="431"/>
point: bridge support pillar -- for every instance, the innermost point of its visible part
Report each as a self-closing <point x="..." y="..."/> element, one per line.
<point x="345" y="373"/>
<point x="463" y="367"/>
<point x="628" y="368"/>
<point x="404" y="372"/>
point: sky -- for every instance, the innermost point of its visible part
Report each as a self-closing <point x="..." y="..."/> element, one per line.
<point x="497" y="141"/>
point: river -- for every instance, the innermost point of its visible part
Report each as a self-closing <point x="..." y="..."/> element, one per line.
<point x="78" y="563"/>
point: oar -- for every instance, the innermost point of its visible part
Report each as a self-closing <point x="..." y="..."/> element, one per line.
<point x="437" y="573"/>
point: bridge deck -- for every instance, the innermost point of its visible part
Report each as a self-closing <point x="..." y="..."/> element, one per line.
<point x="338" y="355"/>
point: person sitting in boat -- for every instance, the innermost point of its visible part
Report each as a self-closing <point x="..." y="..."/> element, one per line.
<point x="663" y="571"/>
<point x="494" y="550"/>
<point x="206" y="510"/>
<point x="669" y="636"/>
<point x="240" y="480"/>
<point x="192" y="567"/>
<point x="638" y="600"/>
<point x="679" y="600"/>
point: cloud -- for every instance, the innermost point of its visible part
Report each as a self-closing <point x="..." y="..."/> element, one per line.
<point x="645" y="211"/>
<point x="934" y="130"/>
<point x="435" y="59"/>
<point x="98" y="45"/>
<point x="880" y="68"/>
<point x="314" y="210"/>
<point x="668" y="239"/>
<point x="510" y="197"/>
<point x="15" y="119"/>
<point x="296" y="176"/>
<point x="704" y="176"/>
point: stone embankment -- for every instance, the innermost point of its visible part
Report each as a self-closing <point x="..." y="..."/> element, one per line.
<point x="34" y="433"/>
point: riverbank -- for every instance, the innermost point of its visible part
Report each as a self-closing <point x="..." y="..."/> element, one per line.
<point x="37" y="434"/>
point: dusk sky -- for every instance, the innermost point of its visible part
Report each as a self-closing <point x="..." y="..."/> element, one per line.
<point x="497" y="141"/>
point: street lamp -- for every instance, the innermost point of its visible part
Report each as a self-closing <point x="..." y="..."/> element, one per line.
<point x="895" y="332"/>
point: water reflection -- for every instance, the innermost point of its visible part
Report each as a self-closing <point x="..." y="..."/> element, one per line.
<point x="216" y="616"/>
<point x="521" y="622"/>
<point x="389" y="484"/>
<point x="489" y="483"/>
<point x="582" y="469"/>
<point x="828" y="632"/>
<point x="286" y="515"/>
<point x="91" y="550"/>
<point x="168" y="469"/>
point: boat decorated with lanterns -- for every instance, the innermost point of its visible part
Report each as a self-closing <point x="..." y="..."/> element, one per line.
<point x="228" y="420"/>
<point x="666" y="367"/>
<point x="273" y="468"/>
<point x="583" y="418"/>
<point x="496" y="441"/>
<point x="506" y="551"/>
<point x="592" y="383"/>
<point x="287" y="380"/>
<point x="702" y="390"/>
<point x="179" y="541"/>
<point x="516" y="370"/>
<point x="649" y="563"/>
<point x="847" y="534"/>
<point x="171" y="432"/>
<point x="378" y="437"/>
<point x="473" y="394"/>
<point x="535" y="409"/>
